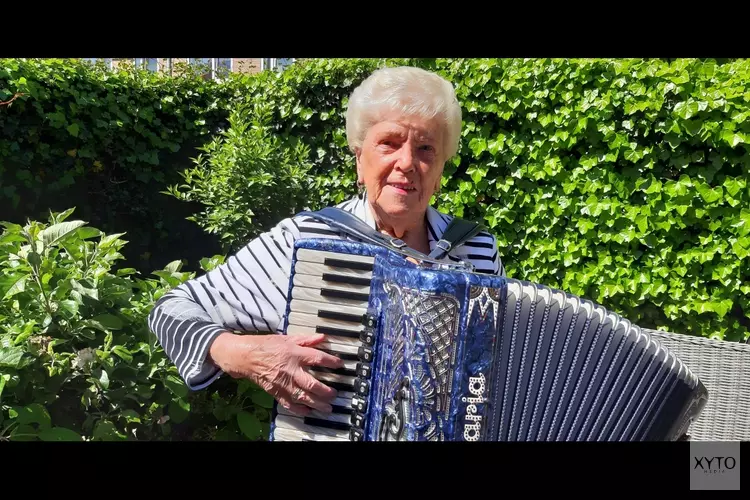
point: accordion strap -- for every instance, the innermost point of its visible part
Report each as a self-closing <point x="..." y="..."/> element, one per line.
<point x="354" y="226"/>
<point x="457" y="233"/>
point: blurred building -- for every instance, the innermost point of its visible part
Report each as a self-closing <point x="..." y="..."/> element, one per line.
<point x="213" y="66"/>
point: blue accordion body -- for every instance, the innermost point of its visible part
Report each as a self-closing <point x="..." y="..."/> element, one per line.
<point x="463" y="356"/>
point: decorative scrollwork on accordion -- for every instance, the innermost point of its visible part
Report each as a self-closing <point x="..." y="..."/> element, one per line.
<point x="415" y="318"/>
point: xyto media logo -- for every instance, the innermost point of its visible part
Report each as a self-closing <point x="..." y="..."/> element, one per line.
<point x="714" y="465"/>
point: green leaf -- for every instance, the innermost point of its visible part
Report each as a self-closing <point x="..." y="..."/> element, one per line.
<point x="109" y="240"/>
<point x="69" y="305"/>
<point x="177" y="413"/>
<point x="10" y="357"/>
<point x="642" y="222"/>
<point x="87" y="232"/>
<point x="57" y="232"/>
<point x="59" y="434"/>
<point x="262" y="399"/>
<point x="177" y="386"/>
<point x="3" y="380"/>
<point x="24" y="433"/>
<point x="106" y="431"/>
<point x="123" y="353"/>
<point x="11" y="285"/>
<point x="249" y="425"/>
<point x="108" y="321"/>
<point x="34" y="414"/>
<point x="744" y="222"/>
<point x="73" y="129"/>
<point x="104" y="379"/>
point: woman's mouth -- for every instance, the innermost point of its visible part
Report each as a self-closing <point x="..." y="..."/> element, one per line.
<point x="402" y="188"/>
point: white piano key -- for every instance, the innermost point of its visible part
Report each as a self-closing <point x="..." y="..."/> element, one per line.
<point x="344" y="418"/>
<point x="315" y="295"/>
<point x="282" y="434"/>
<point x="311" y="320"/>
<point x="329" y="339"/>
<point x="318" y="283"/>
<point x="298" y="424"/>
<point x="332" y="377"/>
<point x="315" y="269"/>
<point x="319" y="256"/>
<point x="311" y="307"/>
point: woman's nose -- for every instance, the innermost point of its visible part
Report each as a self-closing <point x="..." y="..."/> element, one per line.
<point x="406" y="158"/>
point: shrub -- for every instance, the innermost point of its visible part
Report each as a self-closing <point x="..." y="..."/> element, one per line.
<point x="113" y="138"/>
<point x="77" y="360"/>
<point x="247" y="178"/>
<point x="624" y="181"/>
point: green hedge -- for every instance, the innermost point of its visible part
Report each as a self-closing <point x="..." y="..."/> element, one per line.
<point x="624" y="181"/>
<point x="106" y="142"/>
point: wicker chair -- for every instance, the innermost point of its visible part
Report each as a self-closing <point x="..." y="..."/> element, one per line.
<point x="724" y="368"/>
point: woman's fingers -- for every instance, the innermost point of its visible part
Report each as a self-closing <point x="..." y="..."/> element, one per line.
<point x="313" y="402"/>
<point x="308" y="340"/>
<point x="299" y="409"/>
<point x="315" y="387"/>
<point x="315" y="357"/>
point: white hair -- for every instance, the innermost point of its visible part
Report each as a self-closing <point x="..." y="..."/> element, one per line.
<point x="408" y="90"/>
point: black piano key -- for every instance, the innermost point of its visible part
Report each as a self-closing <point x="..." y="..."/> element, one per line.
<point x="339" y="316"/>
<point x="343" y="355"/>
<point x="340" y="410"/>
<point x="319" y="422"/>
<point x="342" y="294"/>
<point x="337" y="332"/>
<point x="339" y="386"/>
<point x="350" y="280"/>
<point x="356" y="434"/>
<point x="338" y="371"/>
<point x="346" y="264"/>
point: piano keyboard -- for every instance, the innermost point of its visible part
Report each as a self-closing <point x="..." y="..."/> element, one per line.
<point x="330" y="295"/>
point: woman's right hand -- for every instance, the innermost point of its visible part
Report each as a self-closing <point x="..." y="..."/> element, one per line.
<point x="278" y="364"/>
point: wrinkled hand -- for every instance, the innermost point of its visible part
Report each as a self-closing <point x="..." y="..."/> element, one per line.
<point x="278" y="364"/>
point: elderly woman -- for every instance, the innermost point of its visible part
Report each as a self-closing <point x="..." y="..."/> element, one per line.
<point x="402" y="124"/>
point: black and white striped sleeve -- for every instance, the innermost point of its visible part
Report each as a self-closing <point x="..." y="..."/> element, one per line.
<point x="246" y="293"/>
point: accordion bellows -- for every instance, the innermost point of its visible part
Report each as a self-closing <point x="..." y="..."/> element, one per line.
<point x="452" y="355"/>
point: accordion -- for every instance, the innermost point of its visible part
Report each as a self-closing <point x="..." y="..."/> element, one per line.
<point x="437" y="352"/>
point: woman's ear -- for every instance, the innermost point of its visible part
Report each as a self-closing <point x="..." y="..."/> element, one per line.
<point x="360" y="177"/>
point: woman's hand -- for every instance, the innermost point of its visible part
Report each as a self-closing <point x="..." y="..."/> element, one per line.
<point x="277" y="363"/>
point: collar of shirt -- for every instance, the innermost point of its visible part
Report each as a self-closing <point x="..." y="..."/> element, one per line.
<point x="436" y="223"/>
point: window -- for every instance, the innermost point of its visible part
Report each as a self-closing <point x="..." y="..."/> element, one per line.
<point x="214" y="67"/>
<point x="275" y="64"/>
<point x="94" y="60"/>
<point x="149" y="64"/>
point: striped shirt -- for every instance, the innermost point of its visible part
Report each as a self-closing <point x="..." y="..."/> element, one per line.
<point x="249" y="291"/>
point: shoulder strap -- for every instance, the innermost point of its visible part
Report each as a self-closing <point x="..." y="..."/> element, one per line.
<point x="458" y="232"/>
<point x="353" y="225"/>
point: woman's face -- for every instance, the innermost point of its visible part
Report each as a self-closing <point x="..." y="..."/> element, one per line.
<point x="400" y="163"/>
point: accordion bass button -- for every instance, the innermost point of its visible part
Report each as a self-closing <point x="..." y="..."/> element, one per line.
<point x="367" y="337"/>
<point x="364" y="370"/>
<point x="369" y="321"/>
<point x="359" y="404"/>
<point x="365" y="354"/>
<point x="358" y="420"/>
<point x="362" y="386"/>
<point x="356" y="434"/>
